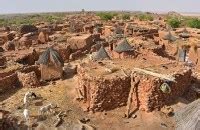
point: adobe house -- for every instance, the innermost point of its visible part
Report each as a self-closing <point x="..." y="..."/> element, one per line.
<point x="81" y="42"/>
<point x="154" y="87"/>
<point x="187" y="52"/>
<point x="145" y="89"/>
<point x="123" y="50"/>
<point x="51" y="64"/>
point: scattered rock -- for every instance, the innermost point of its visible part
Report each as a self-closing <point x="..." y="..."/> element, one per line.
<point x="134" y="116"/>
<point x="163" y="125"/>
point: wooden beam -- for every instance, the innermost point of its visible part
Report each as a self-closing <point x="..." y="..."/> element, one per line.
<point x="162" y="76"/>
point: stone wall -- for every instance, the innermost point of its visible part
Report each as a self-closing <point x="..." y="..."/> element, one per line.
<point x="108" y="92"/>
<point x="10" y="79"/>
<point x="29" y="80"/>
<point x="148" y="95"/>
<point x="103" y="93"/>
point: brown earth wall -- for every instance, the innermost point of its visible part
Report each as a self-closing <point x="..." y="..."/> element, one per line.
<point x="103" y="93"/>
<point x="150" y="97"/>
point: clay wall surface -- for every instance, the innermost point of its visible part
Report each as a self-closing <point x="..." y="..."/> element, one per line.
<point x="10" y="79"/>
<point x="64" y="51"/>
<point x="9" y="82"/>
<point x="50" y="72"/>
<point x="103" y="93"/>
<point x="111" y="91"/>
<point x="82" y="43"/>
<point x="150" y="97"/>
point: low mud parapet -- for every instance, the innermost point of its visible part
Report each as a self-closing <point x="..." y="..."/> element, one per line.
<point x="12" y="80"/>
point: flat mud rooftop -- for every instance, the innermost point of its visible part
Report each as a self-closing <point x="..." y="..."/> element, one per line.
<point x="154" y="64"/>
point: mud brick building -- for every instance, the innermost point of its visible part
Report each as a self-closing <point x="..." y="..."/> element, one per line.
<point x="105" y="90"/>
<point x="51" y="64"/>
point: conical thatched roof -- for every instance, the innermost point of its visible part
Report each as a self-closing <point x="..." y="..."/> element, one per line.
<point x="169" y="37"/>
<point x="185" y="33"/>
<point x="50" y="55"/>
<point x="188" y="118"/>
<point x="185" y="30"/>
<point x="101" y="54"/>
<point x="123" y="46"/>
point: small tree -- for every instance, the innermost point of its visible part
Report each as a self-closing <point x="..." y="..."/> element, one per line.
<point x="194" y="23"/>
<point x="145" y="17"/>
<point x="106" y="16"/>
<point x="126" y="16"/>
<point x="174" y="22"/>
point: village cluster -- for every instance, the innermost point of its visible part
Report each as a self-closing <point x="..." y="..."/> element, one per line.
<point x="143" y="65"/>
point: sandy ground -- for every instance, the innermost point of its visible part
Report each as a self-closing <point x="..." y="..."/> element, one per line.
<point x="62" y="94"/>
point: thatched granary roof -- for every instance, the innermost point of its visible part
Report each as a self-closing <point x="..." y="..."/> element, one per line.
<point x="101" y="54"/>
<point x="188" y="117"/>
<point x="50" y="55"/>
<point x="123" y="46"/>
<point x="169" y="37"/>
<point x="185" y="33"/>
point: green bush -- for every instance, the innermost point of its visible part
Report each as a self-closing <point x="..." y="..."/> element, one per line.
<point x="126" y="16"/>
<point x="194" y="23"/>
<point x="174" y="22"/>
<point x="106" y="16"/>
<point x="145" y="17"/>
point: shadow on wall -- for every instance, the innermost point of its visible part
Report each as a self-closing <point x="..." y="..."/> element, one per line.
<point x="8" y="93"/>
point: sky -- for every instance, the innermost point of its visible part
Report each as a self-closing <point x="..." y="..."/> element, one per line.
<point x="30" y="6"/>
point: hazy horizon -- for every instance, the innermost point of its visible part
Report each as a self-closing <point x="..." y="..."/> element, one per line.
<point x="37" y="6"/>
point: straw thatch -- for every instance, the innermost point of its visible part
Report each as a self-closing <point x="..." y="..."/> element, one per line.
<point x="51" y="56"/>
<point x="169" y="37"/>
<point x="101" y="54"/>
<point x="123" y="46"/>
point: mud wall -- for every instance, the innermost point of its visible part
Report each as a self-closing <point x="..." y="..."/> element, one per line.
<point x="9" y="82"/>
<point x="51" y="72"/>
<point x="148" y="95"/>
<point x="103" y="93"/>
<point x="29" y="69"/>
<point x="11" y="79"/>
